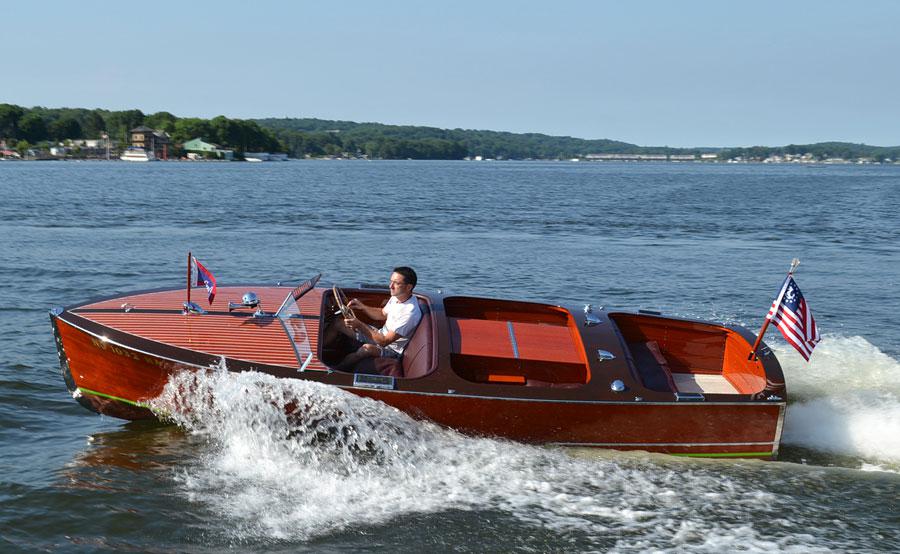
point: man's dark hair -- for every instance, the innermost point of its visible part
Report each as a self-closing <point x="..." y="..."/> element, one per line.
<point x="409" y="274"/>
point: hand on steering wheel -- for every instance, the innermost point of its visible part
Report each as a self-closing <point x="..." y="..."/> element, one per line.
<point x="341" y="300"/>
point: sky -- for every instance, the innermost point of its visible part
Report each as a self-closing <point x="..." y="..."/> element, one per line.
<point x="654" y="73"/>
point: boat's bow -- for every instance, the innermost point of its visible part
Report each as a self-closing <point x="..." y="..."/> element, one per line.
<point x="123" y="349"/>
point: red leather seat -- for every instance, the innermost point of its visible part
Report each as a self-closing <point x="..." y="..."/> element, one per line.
<point x="418" y="356"/>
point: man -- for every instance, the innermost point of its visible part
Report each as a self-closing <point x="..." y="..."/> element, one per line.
<point x="401" y="316"/>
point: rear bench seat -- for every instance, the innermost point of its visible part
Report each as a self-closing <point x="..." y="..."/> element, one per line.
<point x="657" y="375"/>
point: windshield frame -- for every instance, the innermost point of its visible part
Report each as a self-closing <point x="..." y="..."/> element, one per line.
<point x="292" y="320"/>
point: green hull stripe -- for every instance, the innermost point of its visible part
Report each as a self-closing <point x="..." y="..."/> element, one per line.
<point x="111" y="397"/>
<point x="719" y="454"/>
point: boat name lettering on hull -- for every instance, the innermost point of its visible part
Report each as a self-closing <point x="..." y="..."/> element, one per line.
<point x="126" y="353"/>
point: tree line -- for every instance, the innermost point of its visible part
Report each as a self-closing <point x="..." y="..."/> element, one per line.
<point x="32" y="126"/>
<point x="819" y="151"/>
<point x="302" y="137"/>
<point x="309" y="136"/>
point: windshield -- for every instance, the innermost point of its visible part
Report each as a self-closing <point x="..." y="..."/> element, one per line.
<point x="292" y="315"/>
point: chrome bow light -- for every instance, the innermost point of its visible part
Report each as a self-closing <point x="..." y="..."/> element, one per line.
<point x="248" y="300"/>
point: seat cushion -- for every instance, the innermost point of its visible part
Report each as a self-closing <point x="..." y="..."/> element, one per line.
<point x="418" y="355"/>
<point x="652" y="366"/>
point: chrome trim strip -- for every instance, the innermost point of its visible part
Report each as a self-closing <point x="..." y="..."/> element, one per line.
<point x="563" y="401"/>
<point x="306" y="363"/>
<point x="778" y="429"/>
<point x="512" y="339"/>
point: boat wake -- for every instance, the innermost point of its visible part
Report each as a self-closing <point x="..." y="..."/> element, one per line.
<point x="286" y="459"/>
<point x="846" y="401"/>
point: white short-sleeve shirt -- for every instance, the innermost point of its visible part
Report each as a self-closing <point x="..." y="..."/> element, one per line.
<point x="402" y="318"/>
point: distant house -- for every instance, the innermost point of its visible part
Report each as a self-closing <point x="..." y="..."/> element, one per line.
<point x="90" y="143"/>
<point x="207" y="149"/>
<point x="151" y="140"/>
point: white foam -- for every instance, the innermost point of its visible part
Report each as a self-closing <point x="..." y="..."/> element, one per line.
<point x="846" y="400"/>
<point x="291" y="459"/>
<point x="879" y="468"/>
<point x="857" y="423"/>
<point x="838" y="364"/>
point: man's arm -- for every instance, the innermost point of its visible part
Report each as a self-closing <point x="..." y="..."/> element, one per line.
<point x="372" y="312"/>
<point x="381" y="339"/>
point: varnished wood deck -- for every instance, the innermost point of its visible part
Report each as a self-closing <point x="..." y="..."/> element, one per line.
<point x="157" y="316"/>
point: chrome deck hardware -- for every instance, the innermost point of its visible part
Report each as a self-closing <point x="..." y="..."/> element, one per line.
<point x="248" y="300"/>
<point x="590" y="318"/>
<point x="192" y="308"/>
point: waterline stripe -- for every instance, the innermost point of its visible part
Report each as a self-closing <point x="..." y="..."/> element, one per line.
<point x="111" y="397"/>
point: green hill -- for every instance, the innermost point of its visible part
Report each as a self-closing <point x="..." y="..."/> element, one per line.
<point x="320" y="136"/>
<point x="21" y="127"/>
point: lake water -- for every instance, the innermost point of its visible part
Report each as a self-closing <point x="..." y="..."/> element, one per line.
<point x="707" y="241"/>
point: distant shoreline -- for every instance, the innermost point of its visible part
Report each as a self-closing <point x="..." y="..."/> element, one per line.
<point x="81" y="133"/>
<point x="490" y="161"/>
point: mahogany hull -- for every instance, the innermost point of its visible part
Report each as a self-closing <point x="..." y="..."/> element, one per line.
<point x="116" y="376"/>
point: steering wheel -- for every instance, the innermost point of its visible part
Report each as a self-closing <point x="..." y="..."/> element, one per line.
<point x="341" y="300"/>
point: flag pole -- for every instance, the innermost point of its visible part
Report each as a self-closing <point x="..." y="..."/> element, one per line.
<point x="189" y="277"/>
<point x="752" y="356"/>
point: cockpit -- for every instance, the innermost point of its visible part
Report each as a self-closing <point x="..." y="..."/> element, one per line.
<point x="300" y="310"/>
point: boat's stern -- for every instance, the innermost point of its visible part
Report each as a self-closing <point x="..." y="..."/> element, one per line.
<point x="709" y="364"/>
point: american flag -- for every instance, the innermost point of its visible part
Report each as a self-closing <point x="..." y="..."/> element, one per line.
<point x="791" y="315"/>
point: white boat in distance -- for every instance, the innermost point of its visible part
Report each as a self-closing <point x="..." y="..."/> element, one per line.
<point x="265" y="157"/>
<point x="137" y="154"/>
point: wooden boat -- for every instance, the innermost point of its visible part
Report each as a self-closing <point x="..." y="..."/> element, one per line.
<point x="525" y="371"/>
